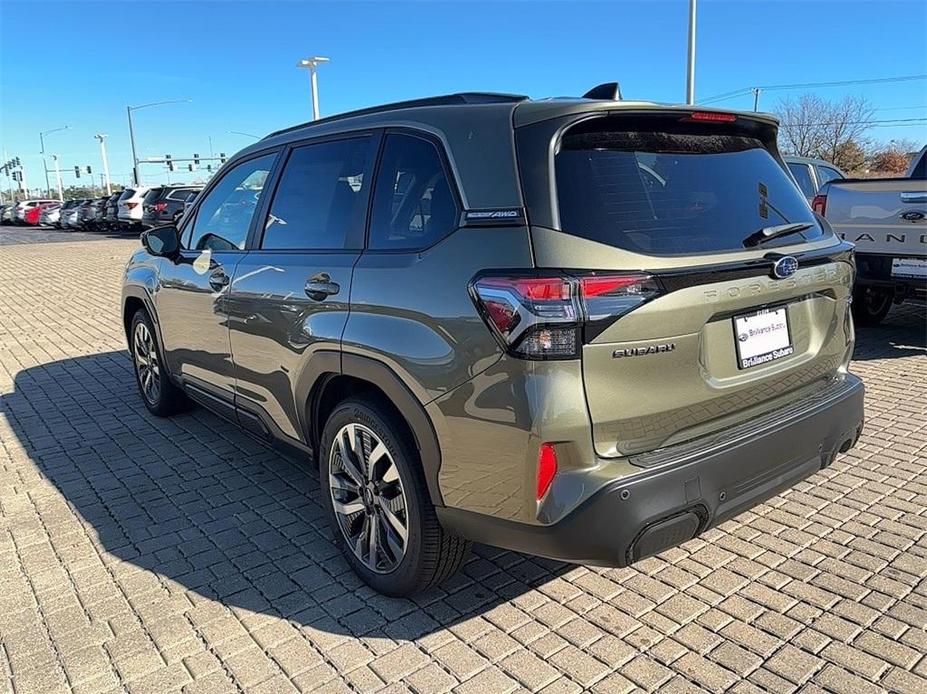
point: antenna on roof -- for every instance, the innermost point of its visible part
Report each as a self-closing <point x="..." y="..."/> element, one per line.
<point x="610" y="91"/>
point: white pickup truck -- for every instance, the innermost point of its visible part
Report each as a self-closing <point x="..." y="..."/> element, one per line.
<point x="886" y="218"/>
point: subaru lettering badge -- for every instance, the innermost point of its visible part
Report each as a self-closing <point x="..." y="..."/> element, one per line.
<point x="786" y="266"/>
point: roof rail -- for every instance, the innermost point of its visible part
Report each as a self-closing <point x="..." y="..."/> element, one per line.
<point x="446" y="100"/>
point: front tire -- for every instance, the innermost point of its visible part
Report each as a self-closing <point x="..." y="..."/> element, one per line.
<point x="160" y="395"/>
<point x="377" y="502"/>
<point x="871" y="304"/>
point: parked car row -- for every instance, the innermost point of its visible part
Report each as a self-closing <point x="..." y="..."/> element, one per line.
<point x="132" y="209"/>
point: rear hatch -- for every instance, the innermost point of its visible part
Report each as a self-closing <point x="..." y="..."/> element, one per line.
<point x="719" y="325"/>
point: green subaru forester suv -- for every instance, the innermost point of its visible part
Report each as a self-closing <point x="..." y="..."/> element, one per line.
<point x="587" y="329"/>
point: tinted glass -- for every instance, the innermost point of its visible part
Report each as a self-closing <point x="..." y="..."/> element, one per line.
<point x="152" y="196"/>
<point x="127" y="193"/>
<point x="826" y="173"/>
<point x="321" y="200"/>
<point x="920" y="171"/>
<point x="413" y="206"/>
<point x="224" y="216"/>
<point x="673" y="193"/>
<point x="802" y="174"/>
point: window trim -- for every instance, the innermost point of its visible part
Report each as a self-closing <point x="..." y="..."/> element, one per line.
<point x="452" y="184"/>
<point x="375" y="136"/>
<point x="189" y="220"/>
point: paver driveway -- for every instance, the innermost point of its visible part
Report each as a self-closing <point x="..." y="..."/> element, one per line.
<point x="153" y="555"/>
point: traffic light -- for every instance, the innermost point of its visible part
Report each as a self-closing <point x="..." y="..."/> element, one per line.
<point x="190" y="167"/>
<point x="18" y="176"/>
<point x="209" y="168"/>
<point x="196" y="159"/>
<point x="170" y="164"/>
<point x="221" y="157"/>
<point x="89" y="171"/>
<point x="77" y="171"/>
<point x="16" y="162"/>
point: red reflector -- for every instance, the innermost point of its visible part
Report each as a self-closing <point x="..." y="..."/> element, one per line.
<point x="160" y="206"/>
<point x="501" y="313"/>
<point x="547" y="468"/>
<point x="714" y="117"/>
<point x="597" y="286"/>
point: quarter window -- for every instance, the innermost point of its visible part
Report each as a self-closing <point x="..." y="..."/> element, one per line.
<point x="321" y="201"/>
<point x="224" y="217"/>
<point x="826" y="174"/>
<point x="413" y="206"/>
<point x="802" y="174"/>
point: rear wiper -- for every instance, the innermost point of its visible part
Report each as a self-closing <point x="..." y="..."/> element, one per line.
<point x="766" y="233"/>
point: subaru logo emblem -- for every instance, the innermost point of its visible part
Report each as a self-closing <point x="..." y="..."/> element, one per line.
<point x="786" y="266"/>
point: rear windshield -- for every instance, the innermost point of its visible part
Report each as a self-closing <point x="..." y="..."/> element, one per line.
<point x="667" y="193"/>
<point x="151" y="196"/>
<point x="127" y="193"/>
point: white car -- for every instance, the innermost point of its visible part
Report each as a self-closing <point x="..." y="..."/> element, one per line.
<point x="50" y="216"/>
<point x="19" y="212"/>
<point x="130" y="206"/>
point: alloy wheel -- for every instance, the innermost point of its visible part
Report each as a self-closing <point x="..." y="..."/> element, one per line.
<point x="146" y="363"/>
<point x="368" y="498"/>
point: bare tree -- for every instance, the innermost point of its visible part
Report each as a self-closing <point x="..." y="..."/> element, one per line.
<point x="832" y="130"/>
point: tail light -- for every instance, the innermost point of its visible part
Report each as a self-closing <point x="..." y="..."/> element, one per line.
<point x="712" y="117"/>
<point x="819" y="204"/>
<point x="131" y="205"/>
<point x="159" y="206"/>
<point x="550" y="316"/>
<point x="547" y="468"/>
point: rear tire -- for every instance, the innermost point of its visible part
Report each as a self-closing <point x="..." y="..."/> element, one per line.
<point x="871" y="304"/>
<point x="371" y="471"/>
<point x="160" y="395"/>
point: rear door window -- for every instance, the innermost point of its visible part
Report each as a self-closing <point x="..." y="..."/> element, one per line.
<point x="677" y="192"/>
<point x="321" y="200"/>
<point x="413" y="206"/>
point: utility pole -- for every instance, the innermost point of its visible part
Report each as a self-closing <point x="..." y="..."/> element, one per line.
<point x="58" y="178"/>
<point x="136" y="179"/>
<point x="311" y="64"/>
<point x="690" y="72"/>
<point x="102" y="139"/>
<point x="756" y="98"/>
<point x="44" y="161"/>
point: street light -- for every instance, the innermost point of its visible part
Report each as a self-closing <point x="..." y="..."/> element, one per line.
<point x="238" y="132"/>
<point x="58" y="178"/>
<point x="690" y="63"/>
<point x="311" y="64"/>
<point x="42" y="141"/>
<point x="102" y="139"/>
<point x="129" y="109"/>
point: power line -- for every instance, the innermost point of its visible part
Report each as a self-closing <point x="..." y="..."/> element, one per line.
<point x="839" y="83"/>
<point x="886" y="121"/>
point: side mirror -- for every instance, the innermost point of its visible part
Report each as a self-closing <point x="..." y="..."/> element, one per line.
<point x="163" y="241"/>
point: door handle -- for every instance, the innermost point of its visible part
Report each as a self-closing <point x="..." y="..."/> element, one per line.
<point x="914" y="197"/>
<point x="218" y="280"/>
<point x="321" y="286"/>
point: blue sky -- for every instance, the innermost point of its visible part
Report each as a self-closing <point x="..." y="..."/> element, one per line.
<point x="81" y="63"/>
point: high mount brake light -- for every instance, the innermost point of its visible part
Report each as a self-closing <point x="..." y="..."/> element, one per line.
<point x="545" y="317"/>
<point x="713" y="117"/>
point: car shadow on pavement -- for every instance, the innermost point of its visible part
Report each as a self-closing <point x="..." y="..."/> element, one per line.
<point x="212" y="511"/>
<point x="903" y="333"/>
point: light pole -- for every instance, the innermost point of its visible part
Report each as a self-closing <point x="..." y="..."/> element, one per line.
<point x="42" y="142"/>
<point x="58" y="177"/>
<point x="311" y="64"/>
<point x="690" y="69"/>
<point x="102" y="138"/>
<point x="238" y="132"/>
<point x="135" y="177"/>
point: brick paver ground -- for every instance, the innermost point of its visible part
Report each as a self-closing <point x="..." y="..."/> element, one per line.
<point x="153" y="555"/>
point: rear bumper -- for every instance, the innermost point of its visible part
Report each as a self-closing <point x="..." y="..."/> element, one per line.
<point x="876" y="270"/>
<point x="707" y="482"/>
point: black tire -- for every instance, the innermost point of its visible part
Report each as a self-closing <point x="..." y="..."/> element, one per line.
<point x="167" y="399"/>
<point x="871" y="305"/>
<point x="431" y="553"/>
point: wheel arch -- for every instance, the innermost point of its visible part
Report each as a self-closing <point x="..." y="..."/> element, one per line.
<point x="364" y="376"/>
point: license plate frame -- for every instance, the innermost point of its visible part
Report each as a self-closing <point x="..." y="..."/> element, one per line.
<point x="766" y="344"/>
